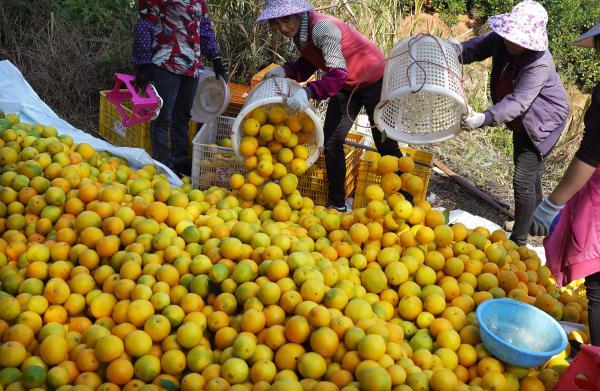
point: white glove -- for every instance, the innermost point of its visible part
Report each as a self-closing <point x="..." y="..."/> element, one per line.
<point x="456" y="45"/>
<point x="278" y="71"/>
<point x="298" y="102"/>
<point x="472" y="120"/>
<point x="543" y="216"/>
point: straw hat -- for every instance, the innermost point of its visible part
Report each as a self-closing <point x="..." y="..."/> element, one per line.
<point x="279" y="8"/>
<point x="525" y="25"/>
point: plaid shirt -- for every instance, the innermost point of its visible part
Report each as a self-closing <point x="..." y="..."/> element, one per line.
<point x="174" y="34"/>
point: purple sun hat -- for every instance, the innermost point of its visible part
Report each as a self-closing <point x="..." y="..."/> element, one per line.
<point x="525" y="25"/>
<point x="279" y="8"/>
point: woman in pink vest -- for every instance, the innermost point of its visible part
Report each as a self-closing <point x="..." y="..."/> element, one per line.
<point x="349" y="62"/>
<point x="573" y="248"/>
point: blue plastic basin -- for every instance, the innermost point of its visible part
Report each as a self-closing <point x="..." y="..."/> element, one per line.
<point x="518" y="333"/>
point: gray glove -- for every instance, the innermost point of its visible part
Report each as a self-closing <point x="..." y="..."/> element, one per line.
<point x="278" y="71"/>
<point x="543" y="216"/>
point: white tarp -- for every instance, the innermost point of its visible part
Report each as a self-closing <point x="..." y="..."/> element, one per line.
<point x="17" y="96"/>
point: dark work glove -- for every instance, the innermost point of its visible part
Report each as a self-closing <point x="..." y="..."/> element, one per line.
<point x="219" y="68"/>
<point x="143" y="76"/>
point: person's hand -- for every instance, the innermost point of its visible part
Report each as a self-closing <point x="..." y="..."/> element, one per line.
<point x="298" y="102"/>
<point x="456" y="45"/>
<point x="543" y="216"/>
<point x="143" y="76"/>
<point x="278" y="71"/>
<point x="219" y="68"/>
<point x="472" y="120"/>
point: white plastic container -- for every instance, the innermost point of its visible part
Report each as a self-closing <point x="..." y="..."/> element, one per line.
<point x="422" y="99"/>
<point x="274" y="91"/>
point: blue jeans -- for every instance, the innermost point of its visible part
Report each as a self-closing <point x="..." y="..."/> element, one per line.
<point x="177" y="93"/>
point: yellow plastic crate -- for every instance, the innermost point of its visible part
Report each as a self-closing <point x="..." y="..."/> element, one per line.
<point x="213" y="165"/>
<point x="261" y="74"/>
<point x="367" y="177"/>
<point x="136" y="136"/>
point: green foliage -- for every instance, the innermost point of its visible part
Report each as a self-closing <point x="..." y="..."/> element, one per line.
<point x="98" y="16"/>
<point x="486" y="8"/>
<point x="568" y="19"/>
<point x="451" y="7"/>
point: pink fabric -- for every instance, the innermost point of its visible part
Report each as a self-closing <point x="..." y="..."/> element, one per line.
<point x="573" y="248"/>
<point x="279" y="8"/>
<point x="364" y="59"/>
<point x="525" y="25"/>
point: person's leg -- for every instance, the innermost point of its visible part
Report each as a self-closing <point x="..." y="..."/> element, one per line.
<point x="180" y="123"/>
<point x="369" y="98"/>
<point x="592" y="286"/>
<point x="336" y="128"/>
<point x="167" y="86"/>
<point x="528" y="164"/>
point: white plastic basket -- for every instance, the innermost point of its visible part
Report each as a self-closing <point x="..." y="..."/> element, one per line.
<point x="213" y="165"/>
<point x="273" y="91"/>
<point x="422" y="99"/>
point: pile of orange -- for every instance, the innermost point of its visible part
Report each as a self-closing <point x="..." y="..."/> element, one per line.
<point x="113" y="279"/>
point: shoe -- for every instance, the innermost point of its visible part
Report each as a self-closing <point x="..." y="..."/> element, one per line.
<point x="338" y="208"/>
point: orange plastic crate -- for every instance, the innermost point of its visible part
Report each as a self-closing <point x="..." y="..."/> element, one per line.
<point x="366" y="175"/>
<point x="238" y="94"/>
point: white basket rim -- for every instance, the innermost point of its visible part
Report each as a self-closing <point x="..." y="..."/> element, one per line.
<point x="247" y="109"/>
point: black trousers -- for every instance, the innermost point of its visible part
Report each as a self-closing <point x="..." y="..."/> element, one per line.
<point x="527" y="185"/>
<point x="338" y="123"/>
<point x="592" y="286"/>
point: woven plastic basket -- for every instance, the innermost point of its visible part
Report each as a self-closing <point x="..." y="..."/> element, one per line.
<point x="272" y="92"/>
<point x="422" y="99"/>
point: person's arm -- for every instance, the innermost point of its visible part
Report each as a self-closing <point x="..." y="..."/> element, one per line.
<point x="574" y="179"/>
<point x="515" y="104"/>
<point x="208" y="40"/>
<point x="478" y="48"/>
<point x="143" y="33"/>
<point x="586" y="159"/>
<point x="580" y="170"/>
<point x="327" y="37"/>
<point x="300" y="70"/>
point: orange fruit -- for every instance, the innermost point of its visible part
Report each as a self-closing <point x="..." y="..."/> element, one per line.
<point x="54" y="349"/>
<point x="109" y="348"/>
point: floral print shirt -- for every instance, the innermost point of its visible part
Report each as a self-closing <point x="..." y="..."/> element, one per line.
<point x="174" y="34"/>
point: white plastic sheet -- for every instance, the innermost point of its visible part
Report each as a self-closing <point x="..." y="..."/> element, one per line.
<point x="17" y="96"/>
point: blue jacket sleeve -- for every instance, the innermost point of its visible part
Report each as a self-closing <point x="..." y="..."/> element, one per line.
<point x="479" y="48"/>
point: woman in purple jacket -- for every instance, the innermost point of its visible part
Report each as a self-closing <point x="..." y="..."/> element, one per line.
<point x="528" y="97"/>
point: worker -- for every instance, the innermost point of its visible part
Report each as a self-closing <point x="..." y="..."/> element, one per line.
<point x="573" y="247"/>
<point x="528" y="96"/>
<point x="350" y="62"/>
<point x="169" y="40"/>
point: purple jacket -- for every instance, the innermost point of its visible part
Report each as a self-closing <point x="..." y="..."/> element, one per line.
<point x="539" y="97"/>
